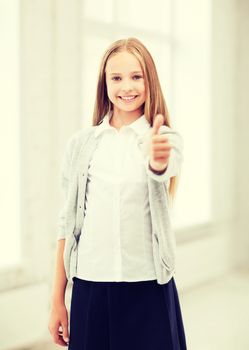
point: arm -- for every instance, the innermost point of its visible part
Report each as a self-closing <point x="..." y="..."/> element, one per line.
<point x="64" y="185"/>
<point x="60" y="280"/>
<point x="58" y="320"/>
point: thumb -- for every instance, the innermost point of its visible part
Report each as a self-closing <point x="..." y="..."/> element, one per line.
<point x="65" y="333"/>
<point x="157" y="122"/>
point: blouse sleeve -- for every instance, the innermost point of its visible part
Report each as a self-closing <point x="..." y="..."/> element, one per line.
<point x="64" y="172"/>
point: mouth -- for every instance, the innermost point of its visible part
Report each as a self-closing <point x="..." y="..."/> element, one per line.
<point x="128" y="98"/>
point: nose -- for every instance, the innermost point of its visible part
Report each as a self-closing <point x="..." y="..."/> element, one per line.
<point x="126" y="85"/>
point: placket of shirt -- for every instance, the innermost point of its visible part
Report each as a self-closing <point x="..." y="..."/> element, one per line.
<point x="117" y="200"/>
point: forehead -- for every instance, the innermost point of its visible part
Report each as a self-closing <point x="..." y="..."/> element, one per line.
<point x="123" y="62"/>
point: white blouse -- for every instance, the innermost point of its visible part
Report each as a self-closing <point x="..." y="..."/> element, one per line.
<point x="116" y="238"/>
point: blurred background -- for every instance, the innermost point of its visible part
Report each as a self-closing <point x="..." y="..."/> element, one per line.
<point x="50" y="52"/>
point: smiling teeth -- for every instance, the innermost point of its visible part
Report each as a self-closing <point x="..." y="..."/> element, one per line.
<point x="128" y="98"/>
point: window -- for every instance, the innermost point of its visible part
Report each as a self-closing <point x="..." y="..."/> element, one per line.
<point x="10" y="248"/>
<point x="177" y="34"/>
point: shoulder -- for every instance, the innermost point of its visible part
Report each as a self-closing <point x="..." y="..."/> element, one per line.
<point x="80" y="136"/>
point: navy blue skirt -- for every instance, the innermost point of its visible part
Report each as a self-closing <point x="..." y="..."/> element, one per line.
<point x="125" y="315"/>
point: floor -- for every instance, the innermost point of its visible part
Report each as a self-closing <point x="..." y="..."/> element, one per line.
<point x="215" y="315"/>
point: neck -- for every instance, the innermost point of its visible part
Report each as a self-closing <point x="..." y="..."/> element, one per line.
<point x="120" y="118"/>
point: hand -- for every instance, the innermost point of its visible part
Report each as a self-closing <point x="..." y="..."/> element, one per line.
<point x="159" y="146"/>
<point x="59" y="319"/>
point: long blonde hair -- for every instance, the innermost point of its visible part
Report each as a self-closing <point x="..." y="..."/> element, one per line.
<point x="154" y="103"/>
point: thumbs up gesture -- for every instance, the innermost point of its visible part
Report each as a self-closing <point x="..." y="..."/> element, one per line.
<point x="159" y="147"/>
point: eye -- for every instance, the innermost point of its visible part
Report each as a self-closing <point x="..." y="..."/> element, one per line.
<point x="114" y="78"/>
<point x="137" y="77"/>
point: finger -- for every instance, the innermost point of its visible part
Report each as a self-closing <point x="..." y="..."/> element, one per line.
<point x="59" y="340"/>
<point x="161" y="160"/>
<point x="161" y="154"/>
<point x="65" y="332"/>
<point x="161" y="147"/>
<point x="157" y="122"/>
<point x="159" y="138"/>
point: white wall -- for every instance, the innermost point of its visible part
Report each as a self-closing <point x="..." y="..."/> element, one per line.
<point x="240" y="239"/>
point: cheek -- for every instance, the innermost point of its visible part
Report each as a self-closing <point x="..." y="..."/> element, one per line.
<point x="109" y="91"/>
<point x="143" y="91"/>
<point x="112" y="90"/>
<point x="142" y="87"/>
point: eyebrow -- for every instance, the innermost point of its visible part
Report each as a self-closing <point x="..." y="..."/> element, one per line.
<point x="133" y="72"/>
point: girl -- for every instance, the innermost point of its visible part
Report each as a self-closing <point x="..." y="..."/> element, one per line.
<point x="115" y="241"/>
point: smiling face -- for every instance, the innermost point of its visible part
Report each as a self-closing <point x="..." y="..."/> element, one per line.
<point x="125" y="85"/>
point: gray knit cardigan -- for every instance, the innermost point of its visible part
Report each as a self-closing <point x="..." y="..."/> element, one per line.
<point x="73" y="179"/>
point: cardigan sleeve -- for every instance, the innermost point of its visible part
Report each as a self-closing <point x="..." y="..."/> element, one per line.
<point x="175" y="159"/>
<point x="64" y="173"/>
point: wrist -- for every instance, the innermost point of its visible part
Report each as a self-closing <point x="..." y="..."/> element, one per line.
<point x="157" y="172"/>
<point x="57" y="300"/>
